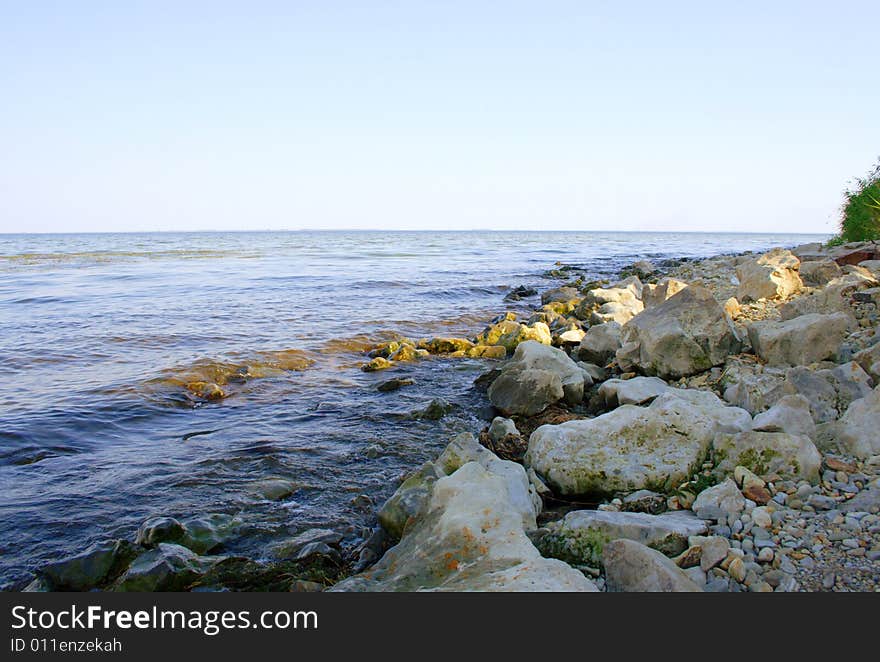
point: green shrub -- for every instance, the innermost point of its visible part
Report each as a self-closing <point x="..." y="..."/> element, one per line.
<point x="860" y="219"/>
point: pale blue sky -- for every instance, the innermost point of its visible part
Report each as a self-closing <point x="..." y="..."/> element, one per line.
<point x="748" y="116"/>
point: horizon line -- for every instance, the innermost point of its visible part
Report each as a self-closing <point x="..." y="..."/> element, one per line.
<point x="339" y="230"/>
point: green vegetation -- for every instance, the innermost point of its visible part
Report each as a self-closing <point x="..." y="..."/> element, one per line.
<point x="860" y="218"/>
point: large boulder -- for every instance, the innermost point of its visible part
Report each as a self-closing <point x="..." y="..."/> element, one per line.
<point x="633" y="391"/>
<point x="631" y="567"/>
<point x="600" y="343"/>
<point x="411" y="500"/>
<point x="859" y="429"/>
<point x="800" y="341"/>
<point x="579" y="538"/>
<point x="773" y="275"/>
<point x="536" y="377"/>
<point x="627" y="449"/>
<point x="791" y="456"/>
<point x="687" y="334"/>
<point x="470" y="539"/>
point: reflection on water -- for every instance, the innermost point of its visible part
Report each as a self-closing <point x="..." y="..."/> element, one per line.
<point x="99" y="334"/>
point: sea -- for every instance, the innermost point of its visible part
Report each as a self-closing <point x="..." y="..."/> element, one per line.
<point x="106" y="338"/>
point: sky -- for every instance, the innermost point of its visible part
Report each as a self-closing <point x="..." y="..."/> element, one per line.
<point x="672" y="116"/>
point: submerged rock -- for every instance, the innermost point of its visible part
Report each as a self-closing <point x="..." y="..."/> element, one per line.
<point x="376" y="364"/>
<point x="168" y="567"/>
<point x="90" y="569"/>
<point x="394" y="384"/>
<point x="273" y="489"/>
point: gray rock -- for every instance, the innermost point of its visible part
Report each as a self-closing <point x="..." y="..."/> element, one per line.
<point x="819" y="272"/>
<point x="501" y="427"/>
<point x="686" y="334"/>
<point x="655" y="294"/>
<point x="536" y="377"/>
<point x="293" y="548"/>
<point x="410" y="501"/>
<point x="790" y="414"/>
<point x="719" y="501"/>
<point x="800" y="341"/>
<point x="600" y="343"/>
<point x="168" y="567"/>
<point x="633" y="567"/>
<point x="160" y="529"/>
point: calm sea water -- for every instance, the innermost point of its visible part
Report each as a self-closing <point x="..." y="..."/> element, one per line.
<point x="99" y="333"/>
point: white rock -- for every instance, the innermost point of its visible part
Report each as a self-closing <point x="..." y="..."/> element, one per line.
<point x="471" y="539"/>
<point x="627" y="449"/>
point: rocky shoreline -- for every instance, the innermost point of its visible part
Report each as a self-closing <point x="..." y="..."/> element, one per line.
<point x="695" y="426"/>
<point x="722" y="417"/>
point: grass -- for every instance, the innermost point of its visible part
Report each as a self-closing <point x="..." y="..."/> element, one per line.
<point x="860" y="214"/>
